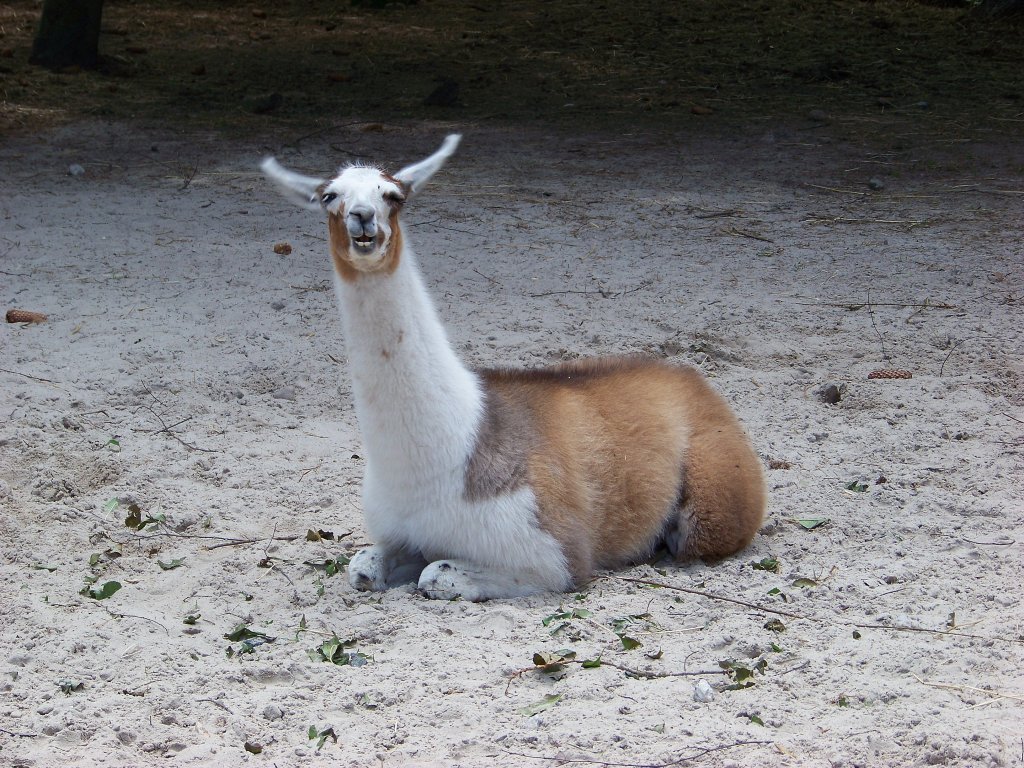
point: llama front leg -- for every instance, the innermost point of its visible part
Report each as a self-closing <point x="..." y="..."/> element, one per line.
<point x="449" y="579"/>
<point x="378" y="567"/>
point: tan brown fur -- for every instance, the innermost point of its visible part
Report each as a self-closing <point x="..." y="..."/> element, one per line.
<point x="615" y="450"/>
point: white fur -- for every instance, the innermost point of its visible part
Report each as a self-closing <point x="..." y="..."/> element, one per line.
<point x="420" y="410"/>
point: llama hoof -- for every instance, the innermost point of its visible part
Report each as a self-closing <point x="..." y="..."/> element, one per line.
<point x="445" y="580"/>
<point x="367" y="570"/>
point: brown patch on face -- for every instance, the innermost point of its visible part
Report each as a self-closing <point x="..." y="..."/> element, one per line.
<point x="341" y="244"/>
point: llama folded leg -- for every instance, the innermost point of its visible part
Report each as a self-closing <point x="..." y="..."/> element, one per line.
<point x="377" y="567"/>
<point x="449" y="579"/>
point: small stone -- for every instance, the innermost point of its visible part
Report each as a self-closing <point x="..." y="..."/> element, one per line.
<point x="876" y="184"/>
<point x="818" y="116"/>
<point x="830" y="394"/>
<point x="282" y="249"/>
<point x="45" y="709"/>
<point x="277" y="304"/>
<point x="76" y="170"/>
<point x="272" y="712"/>
<point x="703" y="692"/>
<point x="284" y="393"/>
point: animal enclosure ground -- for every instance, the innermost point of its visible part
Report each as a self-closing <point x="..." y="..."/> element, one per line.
<point x="181" y="425"/>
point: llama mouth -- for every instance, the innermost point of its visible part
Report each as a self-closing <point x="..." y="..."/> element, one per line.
<point x="364" y="242"/>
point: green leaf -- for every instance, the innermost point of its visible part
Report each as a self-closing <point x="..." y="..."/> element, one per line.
<point x="591" y="663"/>
<point x="191" y="619"/>
<point x="775" y="625"/>
<point x="774" y="591"/>
<point x="630" y="643"/>
<point x="776" y="648"/>
<point x="44" y="567"/>
<point x="756" y="720"/>
<point x="176" y="563"/>
<point x="102" y="593"/>
<point x="767" y="564"/>
<point x="843" y="701"/>
<point x="540" y="706"/>
<point x="313" y="732"/>
<point x="333" y="651"/>
<point x="575" y="613"/>
<point x="67" y="685"/>
<point x="111" y="505"/>
<point x="856" y="486"/>
<point x="805" y="583"/>
<point x="810" y="523"/>
<point x="242" y="632"/>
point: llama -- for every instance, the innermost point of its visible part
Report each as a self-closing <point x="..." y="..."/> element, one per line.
<point x="502" y="483"/>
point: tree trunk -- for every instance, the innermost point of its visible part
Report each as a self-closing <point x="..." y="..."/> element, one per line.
<point x="68" y="35"/>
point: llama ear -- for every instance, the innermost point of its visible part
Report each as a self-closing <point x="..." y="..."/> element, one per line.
<point x="414" y="176"/>
<point x="302" y="190"/>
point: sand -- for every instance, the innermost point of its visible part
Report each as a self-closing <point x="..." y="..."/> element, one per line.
<point x="192" y="380"/>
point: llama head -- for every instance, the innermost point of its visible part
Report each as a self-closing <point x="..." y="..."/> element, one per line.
<point x="362" y="206"/>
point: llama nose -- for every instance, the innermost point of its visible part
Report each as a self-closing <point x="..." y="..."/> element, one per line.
<point x="360" y="221"/>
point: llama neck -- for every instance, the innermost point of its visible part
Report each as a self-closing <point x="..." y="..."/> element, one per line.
<point x="418" y="406"/>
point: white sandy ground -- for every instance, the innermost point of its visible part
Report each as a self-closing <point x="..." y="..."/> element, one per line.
<point x="219" y="369"/>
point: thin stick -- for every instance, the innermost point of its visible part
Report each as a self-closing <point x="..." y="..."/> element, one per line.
<point x="632" y="672"/>
<point x="239" y="542"/>
<point x="945" y="360"/>
<point x="711" y="596"/>
<point x="117" y="615"/>
<point x="19" y="735"/>
<point x="955" y="687"/>
<point x="926" y="304"/>
<point x="27" y="376"/>
<point x="677" y="761"/>
<point x="751" y="235"/>
<point x="871" y="314"/>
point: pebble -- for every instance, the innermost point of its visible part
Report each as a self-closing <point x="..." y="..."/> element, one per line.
<point x="284" y="393"/>
<point x="277" y="304"/>
<point x="703" y="692"/>
<point x="76" y="170"/>
<point x="45" y="709"/>
<point x="876" y="184"/>
<point x="272" y="712"/>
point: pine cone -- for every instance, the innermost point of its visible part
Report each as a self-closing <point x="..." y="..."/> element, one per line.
<point x="890" y="373"/>
<point x="25" y="316"/>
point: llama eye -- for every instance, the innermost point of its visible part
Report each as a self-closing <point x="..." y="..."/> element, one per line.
<point x="328" y="197"/>
<point x="394" y="198"/>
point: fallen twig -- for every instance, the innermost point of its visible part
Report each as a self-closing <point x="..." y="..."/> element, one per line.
<point x="971" y="688"/>
<point x="27" y="376"/>
<point x="19" y="735"/>
<point x="712" y="596"/>
<point x="926" y="304"/>
<point x="630" y="671"/>
<point x="678" y="761"/>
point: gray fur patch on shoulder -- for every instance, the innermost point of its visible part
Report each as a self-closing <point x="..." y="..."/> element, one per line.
<point x="498" y="464"/>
